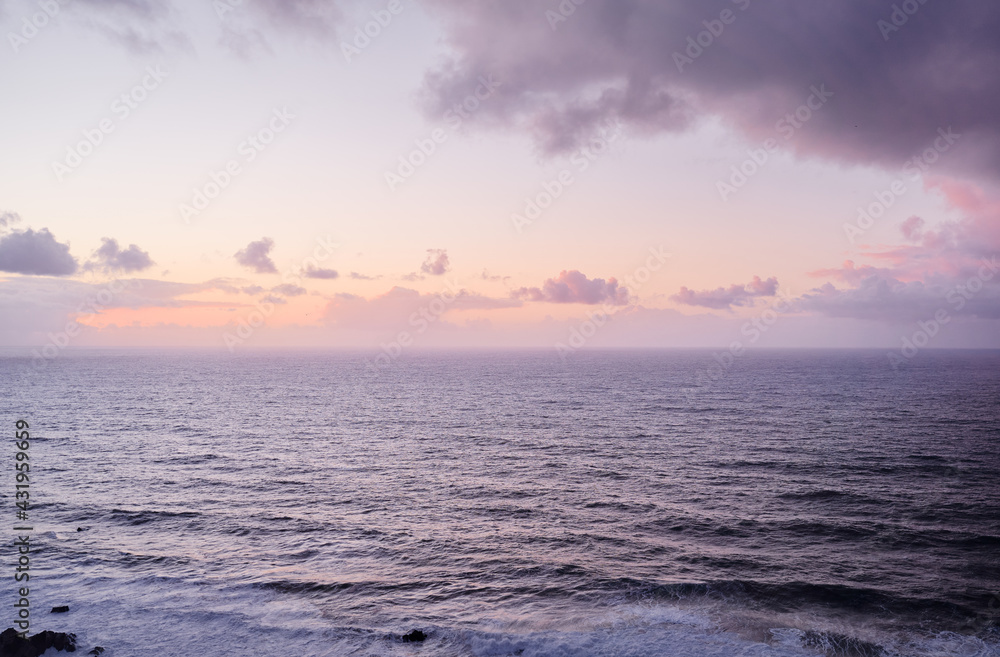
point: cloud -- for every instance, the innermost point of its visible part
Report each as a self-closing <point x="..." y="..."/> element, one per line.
<point x="362" y="277"/>
<point x="275" y="299"/>
<point x="246" y="26"/>
<point x="223" y="285"/>
<point x="238" y="286"/>
<point x="575" y="287"/>
<point x="950" y="248"/>
<point x="244" y="41"/>
<point x="400" y="308"/>
<point x="289" y="290"/>
<point x="466" y="300"/>
<point x="8" y="218"/>
<point x="148" y="293"/>
<point x="145" y="26"/>
<point x="140" y="26"/>
<point x="851" y="273"/>
<point x="317" y="17"/>
<point x="616" y="59"/>
<point x="951" y="244"/>
<point x="436" y="263"/>
<point x="486" y="276"/>
<point x="111" y="258"/>
<point x="45" y="305"/>
<point x="725" y="298"/>
<point x="256" y="256"/>
<point x="37" y="253"/>
<point x="317" y="272"/>
<point x="912" y="228"/>
<point x="950" y="266"/>
<point x="877" y="297"/>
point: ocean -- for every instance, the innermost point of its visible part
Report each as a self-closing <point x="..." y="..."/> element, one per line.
<point x="300" y="503"/>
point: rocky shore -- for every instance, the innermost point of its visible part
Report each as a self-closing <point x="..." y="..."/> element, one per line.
<point x="13" y="645"/>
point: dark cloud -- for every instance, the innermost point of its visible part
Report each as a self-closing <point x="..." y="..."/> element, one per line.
<point x="436" y="263"/>
<point x="575" y="287"/>
<point x="256" y="256"/>
<point x="35" y="252"/>
<point x="111" y="258"/>
<point x="619" y="60"/>
<point x="320" y="273"/>
<point x="723" y="298"/>
<point x="616" y="59"/>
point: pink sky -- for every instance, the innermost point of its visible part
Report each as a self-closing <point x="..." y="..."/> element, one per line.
<point x="611" y="173"/>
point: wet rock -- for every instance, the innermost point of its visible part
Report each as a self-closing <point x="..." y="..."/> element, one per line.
<point x="414" y="636"/>
<point x="12" y="645"/>
<point x="58" y="640"/>
<point x="60" y="610"/>
<point x="96" y="651"/>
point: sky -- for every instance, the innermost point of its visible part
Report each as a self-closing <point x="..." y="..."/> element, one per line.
<point x="573" y="174"/>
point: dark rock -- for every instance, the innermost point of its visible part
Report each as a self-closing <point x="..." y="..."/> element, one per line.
<point x="11" y="645"/>
<point x="414" y="636"/>
<point x="79" y="529"/>
<point x="96" y="651"/>
<point x="58" y="640"/>
<point x="60" y="610"/>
